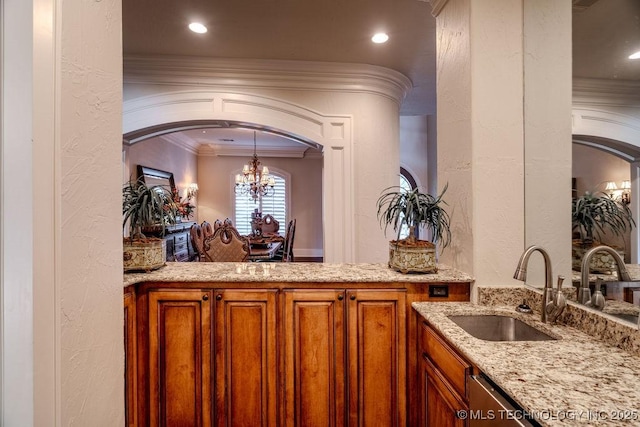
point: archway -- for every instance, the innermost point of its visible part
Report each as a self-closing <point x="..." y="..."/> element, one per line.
<point x="615" y="134"/>
<point x="157" y="114"/>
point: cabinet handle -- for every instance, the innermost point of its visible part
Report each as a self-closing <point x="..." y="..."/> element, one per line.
<point x="340" y="297"/>
<point x="219" y="297"/>
<point x="205" y="297"/>
<point x="352" y="297"/>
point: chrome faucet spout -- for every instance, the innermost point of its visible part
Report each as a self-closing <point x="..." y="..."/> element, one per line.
<point x="584" y="292"/>
<point x="521" y="274"/>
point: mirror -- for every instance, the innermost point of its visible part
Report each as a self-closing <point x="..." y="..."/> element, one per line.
<point x="152" y="176"/>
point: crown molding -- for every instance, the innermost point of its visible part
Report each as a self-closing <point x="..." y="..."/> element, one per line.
<point x="437" y="6"/>
<point x="271" y="74"/>
<point x="181" y="140"/>
<point x="606" y="92"/>
<point x="214" y="150"/>
<point x="240" y="150"/>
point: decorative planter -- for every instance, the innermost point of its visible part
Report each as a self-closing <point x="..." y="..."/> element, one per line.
<point x="144" y="255"/>
<point x="416" y="258"/>
<point x="601" y="262"/>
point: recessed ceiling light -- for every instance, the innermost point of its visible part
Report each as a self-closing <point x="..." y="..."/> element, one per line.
<point x="197" y="27"/>
<point x="635" y="55"/>
<point x="379" y="38"/>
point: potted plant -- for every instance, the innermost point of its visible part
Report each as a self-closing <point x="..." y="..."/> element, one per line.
<point x="592" y="215"/>
<point x="412" y="208"/>
<point x="145" y="207"/>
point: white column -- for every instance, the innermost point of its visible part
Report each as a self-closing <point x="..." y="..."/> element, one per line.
<point x="16" y="261"/>
<point x="502" y="122"/>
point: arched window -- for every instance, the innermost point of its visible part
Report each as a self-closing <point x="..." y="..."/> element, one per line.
<point x="407" y="183"/>
<point x="274" y="204"/>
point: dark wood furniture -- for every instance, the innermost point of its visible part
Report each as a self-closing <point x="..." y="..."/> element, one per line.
<point x="264" y="252"/>
<point x="179" y="245"/>
<point x="273" y="353"/>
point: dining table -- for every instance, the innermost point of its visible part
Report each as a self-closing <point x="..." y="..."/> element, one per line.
<point x="264" y="248"/>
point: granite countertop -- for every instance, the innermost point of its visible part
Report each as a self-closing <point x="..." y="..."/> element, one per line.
<point x="289" y="272"/>
<point x="632" y="269"/>
<point x="574" y="380"/>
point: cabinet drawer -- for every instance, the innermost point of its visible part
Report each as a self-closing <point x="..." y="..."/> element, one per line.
<point x="180" y="238"/>
<point x="453" y="367"/>
<point x="182" y="255"/>
<point x="180" y="247"/>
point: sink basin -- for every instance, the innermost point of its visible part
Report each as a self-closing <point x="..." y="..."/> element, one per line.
<point x="499" y="328"/>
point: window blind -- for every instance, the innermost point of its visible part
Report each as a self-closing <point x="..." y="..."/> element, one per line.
<point x="274" y="204"/>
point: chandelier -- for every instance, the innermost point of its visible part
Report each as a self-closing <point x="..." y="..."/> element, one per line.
<point x="253" y="181"/>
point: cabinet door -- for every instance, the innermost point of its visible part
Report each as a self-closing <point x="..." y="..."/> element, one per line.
<point x="179" y="358"/>
<point x="245" y="358"/>
<point x="440" y="402"/>
<point x="314" y="358"/>
<point x="376" y="337"/>
<point x="130" y="358"/>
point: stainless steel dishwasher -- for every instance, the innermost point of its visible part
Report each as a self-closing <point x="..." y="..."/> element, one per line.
<point x="489" y="406"/>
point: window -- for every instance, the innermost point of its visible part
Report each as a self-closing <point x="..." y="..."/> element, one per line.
<point x="274" y="204"/>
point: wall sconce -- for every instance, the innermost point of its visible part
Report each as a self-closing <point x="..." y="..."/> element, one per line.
<point x="626" y="192"/>
<point x="622" y="194"/>
<point x="192" y="190"/>
<point x="611" y="188"/>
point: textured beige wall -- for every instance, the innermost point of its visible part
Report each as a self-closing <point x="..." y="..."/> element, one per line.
<point x="87" y="188"/>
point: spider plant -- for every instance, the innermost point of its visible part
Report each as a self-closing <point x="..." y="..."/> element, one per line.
<point x="398" y="206"/>
<point x="146" y="206"/>
<point x="594" y="213"/>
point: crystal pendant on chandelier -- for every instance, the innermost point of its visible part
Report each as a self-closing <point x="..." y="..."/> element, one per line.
<point x="254" y="181"/>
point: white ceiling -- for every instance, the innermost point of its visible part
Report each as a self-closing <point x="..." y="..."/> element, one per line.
<point x="604" y="34"/>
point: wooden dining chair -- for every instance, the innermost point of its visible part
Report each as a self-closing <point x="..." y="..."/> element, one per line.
<point x="207" y="229"/>
<point x="269" y="225"/>
<point x="226" y="245"/>
<point x="197" y="239"/>
<point x="288" y="250"/>
<point x="285" y="253"/>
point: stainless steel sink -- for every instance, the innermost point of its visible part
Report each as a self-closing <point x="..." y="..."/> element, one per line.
<point x="499" y="328"/>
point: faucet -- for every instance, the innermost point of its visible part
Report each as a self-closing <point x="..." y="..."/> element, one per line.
<point x="584" y="293"/>
<point x="552" y="307"/>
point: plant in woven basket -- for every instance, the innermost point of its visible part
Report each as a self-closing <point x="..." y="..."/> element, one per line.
<point x="145" y="207"/>
<point x="593" y="214"/>
<point x="398" y="207"/>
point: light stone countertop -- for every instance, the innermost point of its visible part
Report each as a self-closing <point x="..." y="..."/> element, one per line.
<point x="632" y="269"/>
<point x="567" y="377"/>
<point x="289" y="272"/>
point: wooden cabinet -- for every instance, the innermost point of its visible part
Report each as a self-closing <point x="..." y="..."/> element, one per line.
<point x="130" y="357"/>
<point x="179" y="358"/>
<point x="376" y="335"/>
<point x="203" y="354"/>
<point x="328" y="384"/>
<point x="314" y="358"/>
<point x="440" y="402"/>
<point x="245" y="357"/>
<point x="443" y="381"/>
<point x="179" y="245"/>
